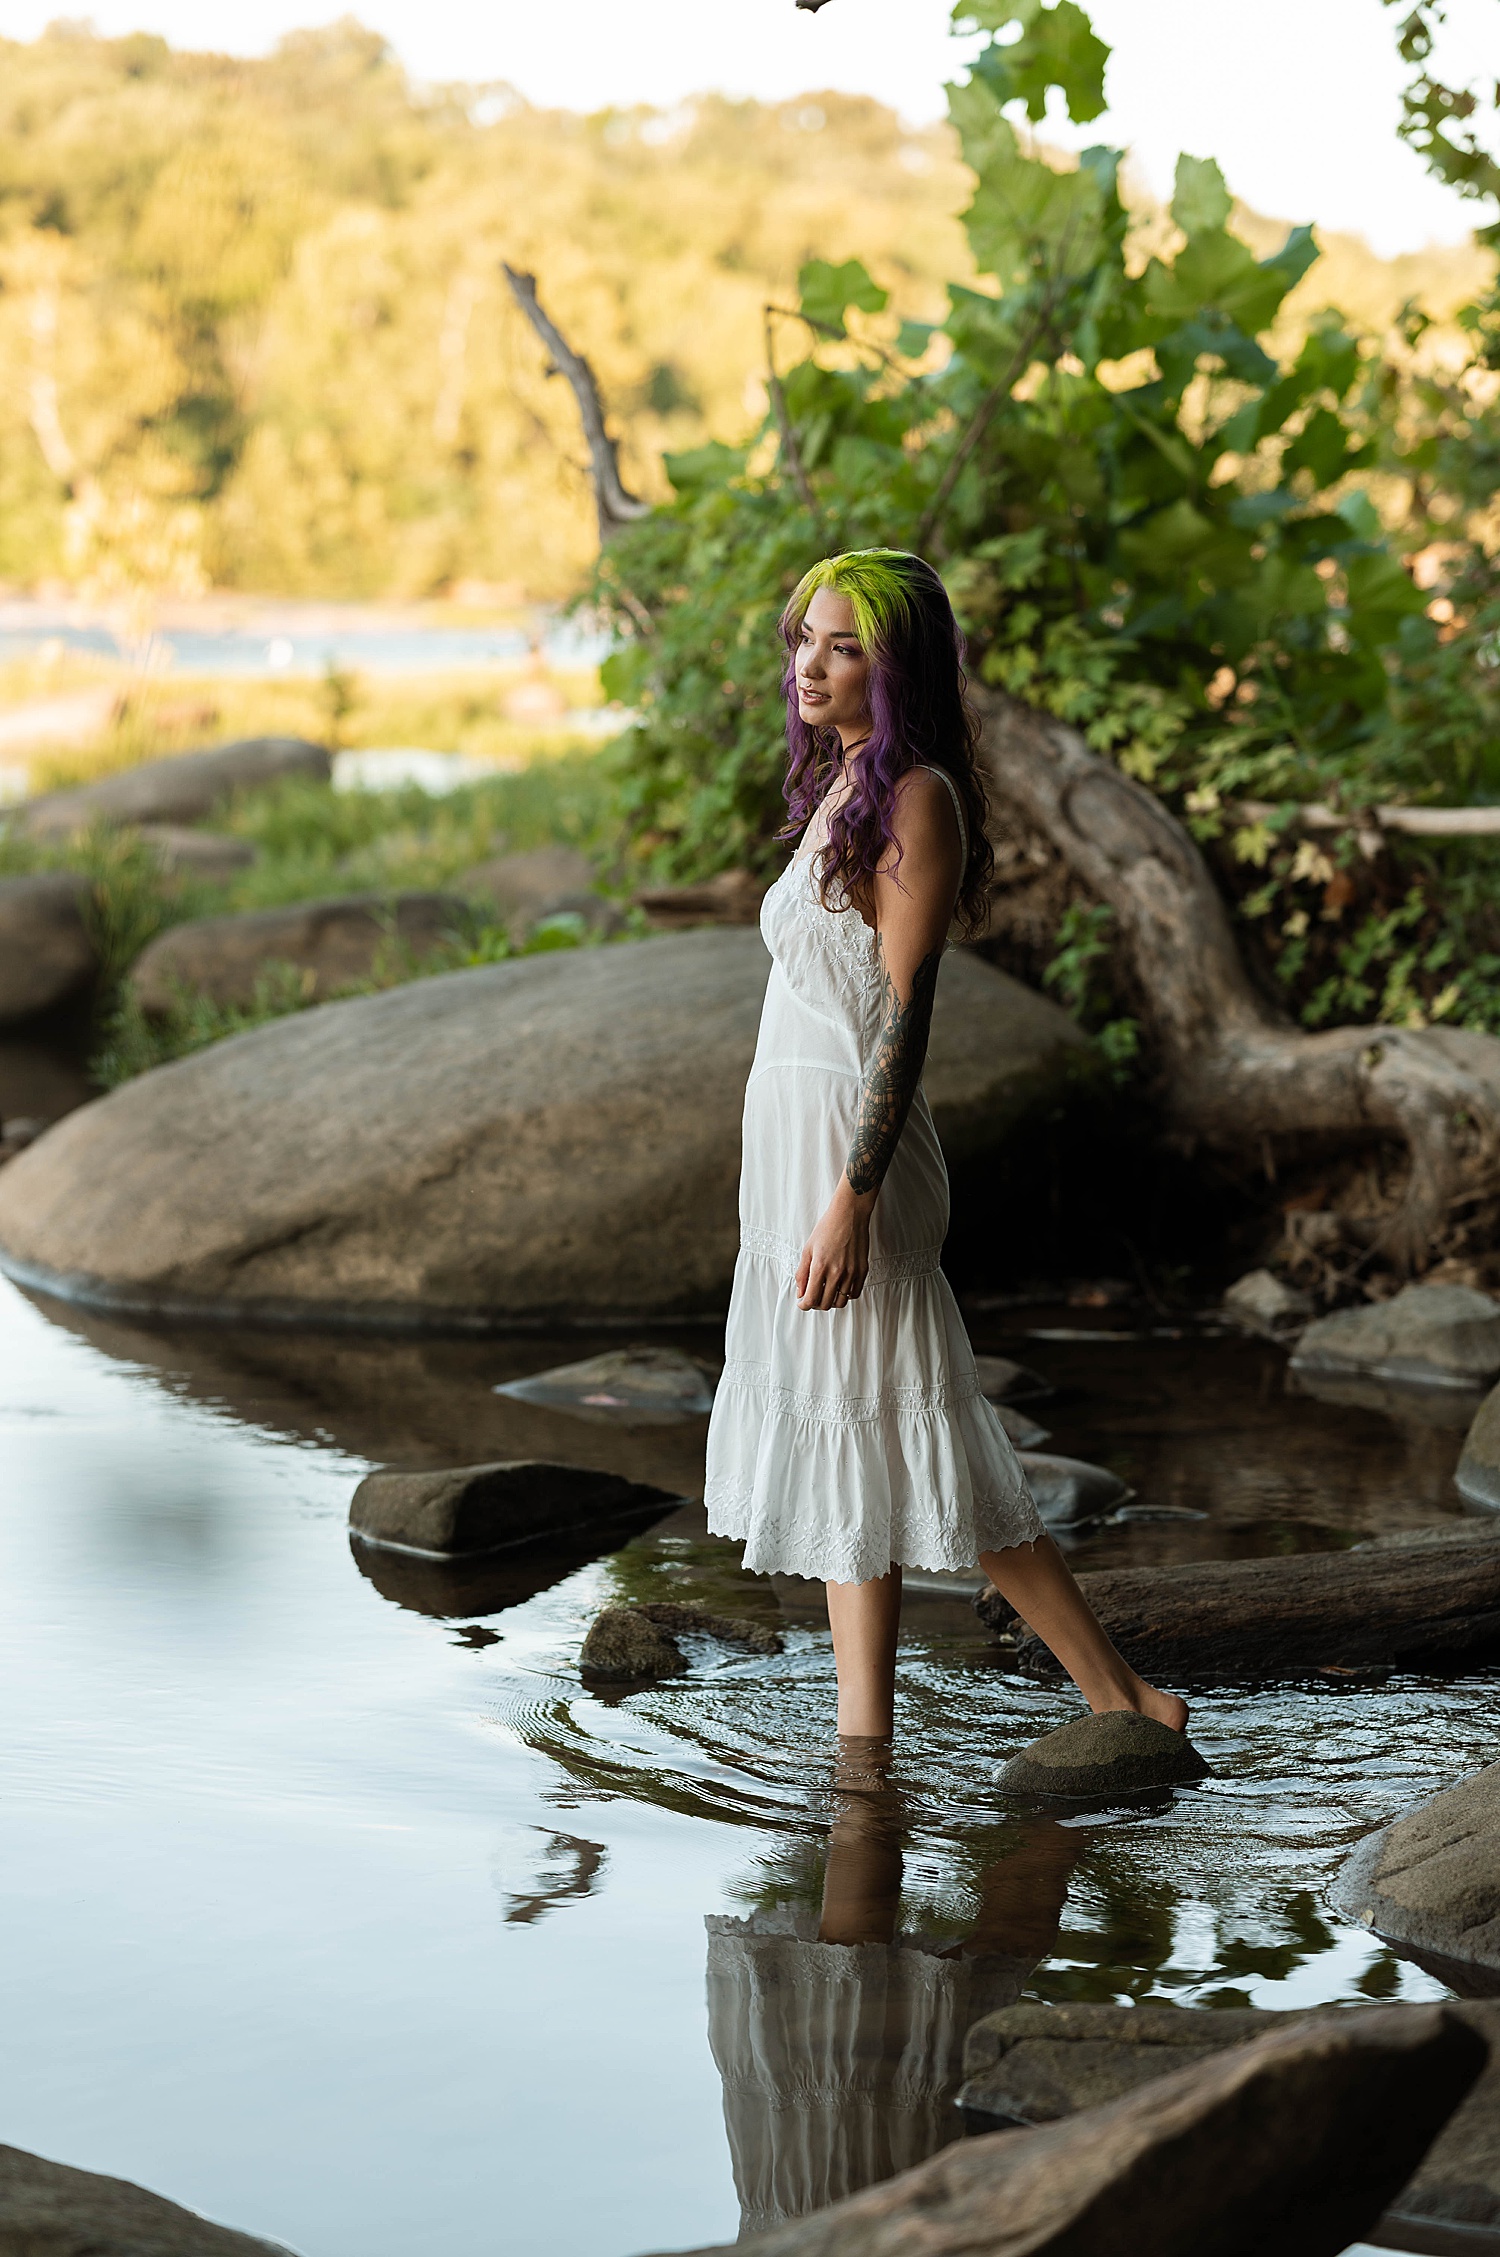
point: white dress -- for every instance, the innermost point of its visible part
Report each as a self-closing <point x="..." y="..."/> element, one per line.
<point x="845" y="1440"/>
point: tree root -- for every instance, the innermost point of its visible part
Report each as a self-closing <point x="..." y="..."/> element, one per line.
<point x="1233" y="1074"/>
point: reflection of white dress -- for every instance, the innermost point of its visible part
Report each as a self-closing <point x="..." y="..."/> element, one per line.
<point x="840" y="2062"/>
<point x="846" y="1439"/>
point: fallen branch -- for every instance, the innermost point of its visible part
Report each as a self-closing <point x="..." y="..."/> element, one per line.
<point x="615" y="505"/>
<point x="1416" y="822"/>
<point x="1403" y="1598"/>
<point x="1232" y="1073"/>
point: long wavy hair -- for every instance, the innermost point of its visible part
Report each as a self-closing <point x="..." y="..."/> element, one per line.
<point x="920" y="717"/>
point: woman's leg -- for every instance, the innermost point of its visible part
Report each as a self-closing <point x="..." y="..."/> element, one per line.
<point x="1039" y="1585"/>
<point x="864" y="1619"/>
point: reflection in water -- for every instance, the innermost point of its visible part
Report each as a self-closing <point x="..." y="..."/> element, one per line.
<point x="839" y="2038"/>
<point x="569" y="1869"/>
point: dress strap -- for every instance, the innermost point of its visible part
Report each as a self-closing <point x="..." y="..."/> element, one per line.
<point x="958" y="805"/>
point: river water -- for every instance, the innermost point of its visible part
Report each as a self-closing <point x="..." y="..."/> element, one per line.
<point x="339" y="1910"/>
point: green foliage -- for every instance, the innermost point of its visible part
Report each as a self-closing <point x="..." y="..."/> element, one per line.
<point x="1151" y="522"/>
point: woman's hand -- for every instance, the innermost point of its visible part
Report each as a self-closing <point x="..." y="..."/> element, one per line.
<point x="836" y="1259"/>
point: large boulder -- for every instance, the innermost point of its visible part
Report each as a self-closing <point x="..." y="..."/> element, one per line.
<point x="46" y="955"/>
<point x="1029" y="2064"/>
<point x="331" y="944"/>
<point x="463" y="1512"/>
<point x="556" y="1136"/>
<point x="546" y="881"/>
<point x="1430" y="1883"/>
<point x="1478" y="1474"/>
<point x="1294" y="2143"/>
<point x="50" y="2210"/>
<point x="180" y="789"/>
<point x="1426" y="1336"/>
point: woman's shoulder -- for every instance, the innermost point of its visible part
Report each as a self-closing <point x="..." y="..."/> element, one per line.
<point x="924" y="808"/>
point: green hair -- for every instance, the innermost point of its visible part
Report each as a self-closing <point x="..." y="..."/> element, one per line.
<point x="876" y="584"/>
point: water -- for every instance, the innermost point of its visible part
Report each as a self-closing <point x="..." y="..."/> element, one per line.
<point x="340" y="1911"/>
<point x="293" y="639"/>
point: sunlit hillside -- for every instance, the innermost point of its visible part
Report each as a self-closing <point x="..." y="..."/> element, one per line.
<point x="254" y="330"/>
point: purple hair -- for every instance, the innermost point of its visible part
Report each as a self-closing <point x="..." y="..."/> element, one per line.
<point x="920" y="717"/>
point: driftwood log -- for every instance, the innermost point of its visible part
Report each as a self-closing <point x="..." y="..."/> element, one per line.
<point x="1232" y="1073"/>
<point x="1433" y="1596"/>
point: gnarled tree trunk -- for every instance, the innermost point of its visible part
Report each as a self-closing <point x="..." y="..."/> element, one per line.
<point x="1233" y="1074"/>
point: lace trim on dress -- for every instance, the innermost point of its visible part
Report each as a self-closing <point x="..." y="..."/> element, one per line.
<point x="885" y="1269"/>
<point x="844" y="1411"/>
<point x="1001" y="1522"/>
<point x="846" y="931"/>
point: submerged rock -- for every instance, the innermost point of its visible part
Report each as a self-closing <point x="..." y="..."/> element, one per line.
<point x="458" y="1511"/>
<point x="1296" y="2142"/>
<point x="1069" y="1492"/>
<point x="638" y="1641"/>
<point x="332" y="944"/>
<point x="623" y="1643"/>
<point x="1024" y="1432"/>
<point x="1118" y="1753"/>
<point x="1478" y="1472"/>
<point x="180" y="789"/>
<point x="552" y="1137"/>
<point x="1029" y="2064"/>
<point x="46" y="955"/>
<point x="50" y="2210"/>
<point x="1430" y="1883"/>
<point x="630" y="1386"/>
<point x="1427" y="1335"/>
<point x="1001" y="1381"/>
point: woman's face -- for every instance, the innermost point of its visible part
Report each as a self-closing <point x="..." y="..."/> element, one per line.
<point x="833" y="672"/>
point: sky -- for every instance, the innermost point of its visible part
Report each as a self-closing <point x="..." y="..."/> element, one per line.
<point x="1298" y="99"/>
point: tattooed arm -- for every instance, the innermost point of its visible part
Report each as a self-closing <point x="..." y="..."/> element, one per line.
<point x="911" y="917"/>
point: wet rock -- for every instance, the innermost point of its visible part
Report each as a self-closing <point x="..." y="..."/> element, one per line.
<point x="1001" y="1381"/>
<point x="1296" y="2143"/>
<point x="1262" y="1303"/>
<point x="1433" y="1410"/>
<point x="331" y="944"/>
<point x="1399" y="1599"/>
<point x="1427" y="1335"/>
<point x="181" y="789"/>
<point x="1430" y="1883"/>
<point x="206" y="855"/>
<point x="50" y="2210"/>
<point x="732" y="898"/>
<point x="555" y="1137"/>
<point x="1028" y="2064"/>
<point x="521" y="889"/>
<point x="1024" y="1432"/>
<point x="629" y="1386"/>
<point x="46" y="955"/>
<point x="639" y="1641"/>
<point x="1069" y="1492"/>
<point x="462" y="1510"/>
<point x="1118" y="1753"/>
<point x="624" y="1643"/>
<point x="1478" y="1474"/>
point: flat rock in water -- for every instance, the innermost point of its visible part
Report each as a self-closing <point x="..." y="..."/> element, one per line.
<point x="628" y="1386"/>
<point x="458" y="1511"/>
<point x="1262" y="1303"/>
<point x="624" y="1643"/>
<point x="50" y="2210"/>
<point x="1294" y="2143"/>
<point x="46" y="955"/>
<point x="1118" y="1753"/>
<point x="1411" y="1406"/>
<point x="1430" y="1883"/>
<point x="1069" y="1492"/>
<point x="1001" y="1381"/>
<point x="542" y="1140"/>
<point x="1030" y="2064"/>
<point x="180" y="789"/>
<point x="1024" y="1432"/>
<point x="1478" y="1473"/>
<point x="331" y="944"/>
<point x="1427" y="1335"/>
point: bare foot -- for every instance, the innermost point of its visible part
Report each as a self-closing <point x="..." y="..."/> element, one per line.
<point x="1165" y="1708"/>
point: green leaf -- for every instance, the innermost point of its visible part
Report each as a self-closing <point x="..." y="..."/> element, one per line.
<point x="1058" y="47"/>
<point x="914" y="337"/>
<point x="1361" y="516"/>
<point x="697" y="467"/>
<point x="827" y="290"/>
<point x="1201" y="199"/>
<point x="1324" y="446"/>
<point x="1381" y="595"/>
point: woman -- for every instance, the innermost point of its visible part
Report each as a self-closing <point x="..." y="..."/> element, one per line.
<point x="849" y="1437"/>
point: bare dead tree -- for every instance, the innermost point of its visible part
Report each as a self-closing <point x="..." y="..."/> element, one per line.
<point x="1233" y="1073"/>
<point x="616" y="506"/>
